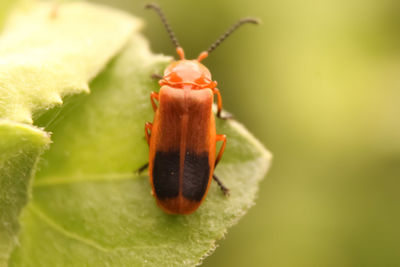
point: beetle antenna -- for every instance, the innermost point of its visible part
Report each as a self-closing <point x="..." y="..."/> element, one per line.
<point x="230" y="31"/>
<point x="167" y="27"/>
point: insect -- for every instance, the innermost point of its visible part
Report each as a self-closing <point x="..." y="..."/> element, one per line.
<point x="182" y="137"/>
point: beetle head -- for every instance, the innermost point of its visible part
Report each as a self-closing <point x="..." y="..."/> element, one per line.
<point x="191" y="73"/>
<point x="188" y="73"/>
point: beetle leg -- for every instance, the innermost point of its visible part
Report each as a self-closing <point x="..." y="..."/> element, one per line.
<point x="219" y="103"/>
<point x="147" y="131"/>
<point x="224" y="189"/>
<point x="153" y="96"/>
<point x="220" y="137"/>
<point x="156" y="76"/>
<point x="142" y="168"/>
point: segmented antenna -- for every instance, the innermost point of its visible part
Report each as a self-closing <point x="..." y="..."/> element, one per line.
<point x="230" y="31"/>
<point x="165" y="22"/>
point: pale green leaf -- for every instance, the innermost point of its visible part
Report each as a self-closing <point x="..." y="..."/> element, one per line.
<point x="20" y="146"/>
<point x="49" y="51"/>
<point x="46" y="52"/>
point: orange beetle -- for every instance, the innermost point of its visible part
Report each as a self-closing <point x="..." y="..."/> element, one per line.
<point x="182" y="137"/>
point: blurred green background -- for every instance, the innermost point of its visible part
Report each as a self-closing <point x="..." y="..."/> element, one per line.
<point x="319" y="84"/>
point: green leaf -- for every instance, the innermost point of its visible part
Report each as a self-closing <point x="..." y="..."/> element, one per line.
<point x="45" y="53"/>
<point x="20" y="146"/>
<point x="89" y="208"/>
<point x="49" y="51"/>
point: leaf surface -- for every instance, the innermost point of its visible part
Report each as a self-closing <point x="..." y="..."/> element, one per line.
<point x="20" y="146"/>
<point x="49" y="51"/>
<point x="46" y="52"/>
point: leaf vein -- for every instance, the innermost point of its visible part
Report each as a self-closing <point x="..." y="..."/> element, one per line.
<point x="84" y="178"/>
<point x="89" y="242"/>
<point x="55" y="226"/>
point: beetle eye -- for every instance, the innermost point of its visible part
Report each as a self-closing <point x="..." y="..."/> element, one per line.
<point x="200" y="80"/>
<point x="174" y="77"/>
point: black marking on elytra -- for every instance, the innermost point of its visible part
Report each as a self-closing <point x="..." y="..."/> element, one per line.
<point x="166" y="174"/>
<point x="196" y="174"/>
